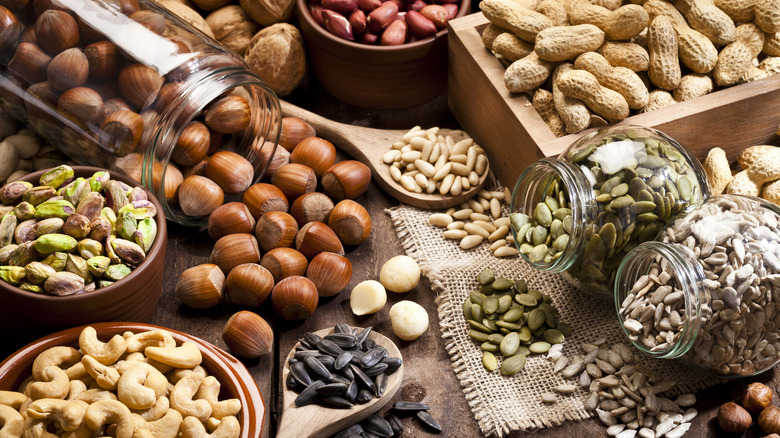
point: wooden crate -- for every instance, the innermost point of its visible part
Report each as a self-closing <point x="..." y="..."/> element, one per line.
<point x="514" y="135"/>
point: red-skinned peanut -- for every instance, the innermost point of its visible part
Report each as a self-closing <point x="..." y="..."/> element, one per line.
<point x="315" y="9"/>
<point x="452" y="8"/>
<point x="381" y="17"/>
<point x="344" y="7"/>
<point x="395" y="34"/>
<point x="368" y="5"/>
<point x="337" y="24"/>
<point x="419" y="25"/>
<point x="358" y="21"/>
<point x="438" y="14"/>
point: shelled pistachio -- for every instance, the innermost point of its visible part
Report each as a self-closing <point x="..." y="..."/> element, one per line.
<point x="70" y="235"/>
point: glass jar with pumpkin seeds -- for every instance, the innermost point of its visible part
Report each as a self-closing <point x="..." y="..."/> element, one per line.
<point x="706" y="292"/>
<point x="581" y="213"/>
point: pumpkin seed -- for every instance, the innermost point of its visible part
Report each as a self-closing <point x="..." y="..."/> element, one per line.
<point x="486" y="276"/>
<point x="526" y="300"/>
<point x="502" y="284"/>
<point x="512" y="365"/>
<point x="509" y="344"/>
<point x="539" y="347"/>
<point x="489" y="361"/>
<point x="490" y="305"/>
<point x="553" y="336"/>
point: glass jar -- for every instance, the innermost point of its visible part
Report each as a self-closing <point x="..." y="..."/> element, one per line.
<point x="581" y="213"/>
<point x="706" y="292"/>
<point x="126" y="85"/>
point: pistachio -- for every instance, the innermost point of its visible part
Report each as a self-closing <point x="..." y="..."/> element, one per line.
<point x="116" y="195"/>
<point x="38" y="194"/>
<point x="126" y="224"/>
<point x="90" y="205"/>
<point x="24" y="211"/>
<point x="23" y="254"/>
<point x="49" y="243"/>
<point x="37" y="272"/>
<point x="97" y="265"/>
<point x="76" y="226"/>
<point x="12" y="274"/>
<point x="109" y="247"/>
<point x="104" y="283"/>
<point x="108" y="214"/>
<point x="140" y="209"/>
<point x="98" y="180"/>
<point x="75" y="190"/>
<point x="57" y="176"/>
<point x="25" y="231"/>
<point x="145" y="233"/>
<point x="29" y="287"/>
<point x="48" y="226"/>
<point x="56" y="260"/>
<point x="77" y="265"/>
<point x="5" y="253"/>
<point x="12" y="192"/>
<point x="128" y="251"/>
<point x="89" y="248"/>
<point x="117" y="272"/>
<point x="7" y="228"/>
<point x="137" y="194"/>
<point x="54" y="208"/>
<point x="100" y="228"/>
<point x="63" y="283"/>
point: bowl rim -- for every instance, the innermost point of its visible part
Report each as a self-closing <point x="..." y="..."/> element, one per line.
<point x="240" y="378"/>
<point x="154" y="252"/>
<point x="303" y="12"/>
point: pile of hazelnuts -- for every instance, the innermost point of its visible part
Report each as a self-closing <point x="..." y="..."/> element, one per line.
<point x="284" y="239"/>
<point x="736" y="418"/>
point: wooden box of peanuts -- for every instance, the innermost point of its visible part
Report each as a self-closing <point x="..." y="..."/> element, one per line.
<point x="723" y="105"/>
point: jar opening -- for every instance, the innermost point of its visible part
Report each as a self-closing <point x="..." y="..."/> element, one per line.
<point x="658" y="292"/>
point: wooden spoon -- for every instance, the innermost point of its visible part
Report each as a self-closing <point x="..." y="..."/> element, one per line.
<point x="315" y="421"/>
<point x="368" y="145"/>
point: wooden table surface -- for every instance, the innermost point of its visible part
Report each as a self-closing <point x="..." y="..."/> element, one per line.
<point x="428" y="375"/>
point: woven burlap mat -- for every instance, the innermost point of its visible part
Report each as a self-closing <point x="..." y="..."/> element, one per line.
<point x="505" y="404"/>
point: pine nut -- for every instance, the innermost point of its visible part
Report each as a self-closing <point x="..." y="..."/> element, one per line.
<point x="497" y="244"/>
<point x="471" y="159"/>
<point x="453" y="210"/>
<point x="499" y="233"/>
<point x="391" y="156"/>
<point x="409" y="167"/>
<point x="495" y="208"/>
<point x="456" y="225"/>
<point x="446" y="184"/>
<point x="418" y="143"/>
<point x="457" y="187"/>
<point x="465" y="184"/>
<point x="476" y="206"/>
<point x="406" y="148"/>
<point x="476" y="230"/>
<point x="479" y="217"/>
<point x="442" y="172"/>
<point x="440" y="219"/>
<point x="485" y="204"/>
<point x="425" y="168"/>
<point x="432" y="131"/>
<point x="414" y="132"/>
<point x="395" y="173"/>
<point x="460" y="169"/>
<point x="398" y="145"/>
<point x="426" y="151"/>
<point x="469" y="242"/>
<point x="460" y="158"/>
<point x="463" y="214"/>
<point x="487" y="226"/>
<point x="431" y="187"/>
<point x="501" y="222"/>
<point x="481" y="164"/>
<point x="484" y="194"/>
<point x="497" y="195"/>
<point x="473" y="178"/>
<point x="408" y="183"/>
<point x="462" y="146"/>
<point x="455" y="234"/>
<point x="410" y="156"/>
<point x="421" y="180"/>
<point x="435" y="153"/>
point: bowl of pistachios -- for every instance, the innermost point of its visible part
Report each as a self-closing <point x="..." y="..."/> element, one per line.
<point x="78" y="245"/>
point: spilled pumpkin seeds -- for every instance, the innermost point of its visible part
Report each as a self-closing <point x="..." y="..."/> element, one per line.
<point x="511" y="321"/>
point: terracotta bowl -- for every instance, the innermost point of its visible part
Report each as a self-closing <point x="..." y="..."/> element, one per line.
<point x="235" y="379"/>
<point x="25" y="316"/>
<point x="373" y="76"/>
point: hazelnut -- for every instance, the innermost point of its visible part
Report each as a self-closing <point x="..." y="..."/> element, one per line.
<point x="315" y="152"/>
<point x="121" y="131"/>
<point x="229" y="115"/>
<point x="139" y="84"/>
<point x="170" y="179"/>
<point x="82" y="104"/>
<point x="261" y="198"/>
<point x="757" y="397"/>
<point x="104" y="60"/>
<point x="247" y="334"/>
<point x="68" y="69"/>
<point x="294" y="180"/>
<point x="192" y="145"/>
<point x="330" y="272"/>
<point x="150" y="20"/>
<point x="733" y="418"/>
<point x="272" y="163"/>
<point x="56" y="31"/>
<point x="230" y="218"/>
<point x="201" y="287"/>
<point x="199" y="196"/>
<point x="351" y="222"/>
<point x="29" y="63"/>
<point x="316" y="237"/>
<point x="346" y="180"/>
<point x="314" y="206"/>
<point x="294" y="130"/>
<point x="276" y="229"/>
<point x="249" y="284"/>
<point x="232" y="172"/>
<point x="233" y="250"/>
<point x="113" y="105"/>
<point x="284" y="262"/>
<point x="769" y="419"/>
<point x="295" y="298"/>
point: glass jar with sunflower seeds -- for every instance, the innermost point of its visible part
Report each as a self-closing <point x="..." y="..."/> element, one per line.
<point x="706" y="291"/>
<point x="581" y="213"/>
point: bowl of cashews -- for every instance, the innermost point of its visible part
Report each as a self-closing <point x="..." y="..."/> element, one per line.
<point x="127" y="380"/>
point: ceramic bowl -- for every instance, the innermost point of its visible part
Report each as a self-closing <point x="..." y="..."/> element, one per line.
<point x="374" y="76"/>
<point x="25" y="316"/>
<point x="235" y="379"/>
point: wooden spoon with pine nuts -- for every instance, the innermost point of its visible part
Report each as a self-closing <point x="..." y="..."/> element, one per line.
<point x="369" y="145"/>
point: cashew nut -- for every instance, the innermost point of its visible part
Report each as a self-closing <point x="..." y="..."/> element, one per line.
<point x="13" y="399"/>
<point x="75" y="387"/>
<point x="228" y="428"/>
<point x="36" y="429"/>
<point x="153" y="338"/>
<point x="54" y="383"/>
<point x="209" y="391"/>
<point x="181" y="398"/>
<point x="185" y="356"/>
<point x="177" y="374"/>
<point x="160" y="408"/>
<point x="55" y="356"/>
<point x="142" y="433"/>
<point x="140" y="385"/>
<point x="77" y="372"/>
<point x="166" y="427"/>
<point x="105" y="412"/>
<point x="93" y="395"/>
<point x="11" y="422"/>
<point x="66" y="413"/>
<point x="105" y="352"/>
<point x="122" y="366"/>
<point x="104" y="376"/>
<point x="82" y="432"/>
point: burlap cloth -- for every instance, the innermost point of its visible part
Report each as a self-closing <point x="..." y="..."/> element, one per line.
<point x="505" y="404"/>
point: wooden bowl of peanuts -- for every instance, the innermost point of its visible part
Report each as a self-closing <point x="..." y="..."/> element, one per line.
<point x="182" y="367"/>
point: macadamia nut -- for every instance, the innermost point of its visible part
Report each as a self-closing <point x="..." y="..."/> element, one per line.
<point x="409" y="319"/>
<point x="400" y="274"/>
<point x="367" y="297"/>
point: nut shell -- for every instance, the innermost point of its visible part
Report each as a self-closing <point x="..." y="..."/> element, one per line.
<point x="351" y="222"/>
<point x="294" y="130"/>
<point x="276" y="229"/>
<point x="232" y="172"/>
<point x="139" y="84"/>
<point x="346" y="180"/>
<point x="104" y="60"/>
<point x="284" y="262"/>
<point x="56" y="31"/>
<point x="230" y="218"/>
<point x="295" y="298"/>
<point x="68" y="69"/>
<point x="199" y="196"/>
<point x="295" y="180"/>
<point x="233" y="250"/>
<point x="314" y="206"/>
<point x="82" y="104"/>
<point x="248" y="335"/>
<point x="316" y="237"/>
<point x="261" y="198"/>
<point x="249" y="284"/>
<point x="229" y="115"/>
<point x="315" y="152"/>
<point x="201" y="287"/>
<point x="769" y="419"/>
<point x="29" y="63"/>
<point x="757" y="397"/>
<point x="192" y="145"/>
<point x="330" y="272"/>
<point x="733" y="418"/>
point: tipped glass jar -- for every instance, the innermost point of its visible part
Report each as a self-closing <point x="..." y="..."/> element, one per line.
<point x="611" y="190"/>
<point x="126" y="85"/>
<point x="707" y="291"/>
